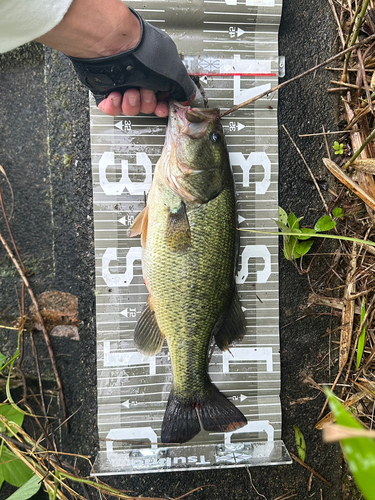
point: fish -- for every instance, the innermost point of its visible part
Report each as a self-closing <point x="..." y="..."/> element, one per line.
<point x="189" y="253"/>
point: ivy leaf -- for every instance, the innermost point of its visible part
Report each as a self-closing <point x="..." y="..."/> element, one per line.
<point x="13" y="415"/>
<point x="289" y="245"/>
<point x="12" y="469"/>
<point x="325" y="223"/>
<point x="283" y="217"/>
<point x="302" y="247"/>
<point x="284" y="228"/>
<point x="293" y="221"/>
<point x="27" y="490"/>
<point x="359" y="451"/>
<point x="300" y="442"/>
<point x="338" y="212"/>
<point x="308" y="232"/>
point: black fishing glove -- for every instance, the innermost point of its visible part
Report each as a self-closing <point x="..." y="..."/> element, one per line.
<point x="153" y="64"/>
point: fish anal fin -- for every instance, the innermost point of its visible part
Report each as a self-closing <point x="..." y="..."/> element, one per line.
<point x="231" y="326"/>
<point x="139" y="226"/>
<point x="147" y="335"/>
<point x="178" y="235"/>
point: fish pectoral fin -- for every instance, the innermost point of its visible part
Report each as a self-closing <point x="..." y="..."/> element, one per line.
<point x="147" y="335"/>
<point x="178" y="235"/>
<point x="231" y="326"/>
<point x="139" y="226"/>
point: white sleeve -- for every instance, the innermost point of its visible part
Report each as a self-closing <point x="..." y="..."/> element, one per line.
<point x="24" y="20"/>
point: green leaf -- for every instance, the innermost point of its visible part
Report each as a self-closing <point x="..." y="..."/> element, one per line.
<point x="2" y="359"/>
<point x="362" y="336"/>
<point x="290" y="249"/>
<point x="13" y="415"/>
<point x="29" y="489"/>
<point x="302" y="247"/>
<point x="336" y="145"/>
<point x="338" y="212"/>
<point x="359" y="452"/>
<point x="325" y="223"/>
<point x="300" y="442"/>
<point x="284" y="228"/>
<point x="308" y="232"/>
<point x="283" y="217"/>
<point x="293" y="221"/>
<point x="13" y="469"/>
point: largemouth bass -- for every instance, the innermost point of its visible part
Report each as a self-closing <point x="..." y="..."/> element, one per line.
<point x="189" y="251"/>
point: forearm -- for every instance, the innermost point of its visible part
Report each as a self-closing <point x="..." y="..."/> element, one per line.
<point x="94" y="28"/>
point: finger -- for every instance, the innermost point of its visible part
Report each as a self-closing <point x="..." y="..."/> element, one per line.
<point x="162" y="109"/>
<point x="112" y="104"/>
<point x="131" y="102"/>
<point x="148" y="101"/>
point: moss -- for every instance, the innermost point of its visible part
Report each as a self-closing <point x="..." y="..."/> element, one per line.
<point x="67" y="159"/>
<point x="28" y="55"/>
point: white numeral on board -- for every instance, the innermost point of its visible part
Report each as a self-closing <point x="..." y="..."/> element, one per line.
<point x="117" y="188"/>
<point x="131" y="434"/>
<point x="124" y="279"/>
<point x="124" y="359"/>
<point x="248" y="354"/>
<point x="254" y="3"/>
<point x="254" y="158"/>
<point x="254" y="426"/>
<point x="253" y="252"/>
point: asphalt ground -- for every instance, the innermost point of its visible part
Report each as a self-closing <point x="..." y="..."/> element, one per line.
<point x="45" y="150"/>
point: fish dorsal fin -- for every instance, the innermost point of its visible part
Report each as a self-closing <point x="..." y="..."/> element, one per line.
<point x="231" y="326"/>
<point x="139" y="226"/>
<point x="178" y="235"/>
<point x="147" y="335"/>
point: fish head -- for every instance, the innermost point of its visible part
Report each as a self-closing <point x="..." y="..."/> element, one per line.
<point x="199" y="160"/>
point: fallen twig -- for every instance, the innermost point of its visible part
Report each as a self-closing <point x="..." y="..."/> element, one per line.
<point x="319" y="476"/>
<point x="311" y="70"/>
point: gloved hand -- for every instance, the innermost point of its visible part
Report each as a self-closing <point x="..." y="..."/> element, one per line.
<point x="153" y="64"/>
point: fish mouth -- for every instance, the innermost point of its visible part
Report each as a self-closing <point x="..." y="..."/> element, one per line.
<point x="192" y="122"/>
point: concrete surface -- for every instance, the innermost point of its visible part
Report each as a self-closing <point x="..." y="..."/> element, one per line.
<point x="44" y="137"/>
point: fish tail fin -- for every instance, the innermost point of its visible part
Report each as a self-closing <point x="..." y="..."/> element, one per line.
<point x="181" y="421"/>
<point x="216" y="414"/>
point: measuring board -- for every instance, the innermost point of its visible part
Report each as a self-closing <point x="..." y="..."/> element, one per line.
<point x="232" y="46"/>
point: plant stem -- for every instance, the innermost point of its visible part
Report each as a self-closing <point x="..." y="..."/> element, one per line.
<point x="360" y="149"/>
<point x="297" y="235"/>
<point x="361" y="16"/>
<point x="295" y="78"/>
<point x="38" y="313"/>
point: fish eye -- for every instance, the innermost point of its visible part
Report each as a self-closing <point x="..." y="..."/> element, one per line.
<point x="215" y="137"/>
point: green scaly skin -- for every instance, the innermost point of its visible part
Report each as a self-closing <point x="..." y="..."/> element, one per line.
<point x="191" y="290"/>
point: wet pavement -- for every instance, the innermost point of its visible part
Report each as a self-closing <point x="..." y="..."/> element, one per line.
<point x="44" y="137"/>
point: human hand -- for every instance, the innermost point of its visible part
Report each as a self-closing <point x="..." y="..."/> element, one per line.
<point x="129" y="65"/>
<point x="153" y="66"/>
<point x="135" y="101"/>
